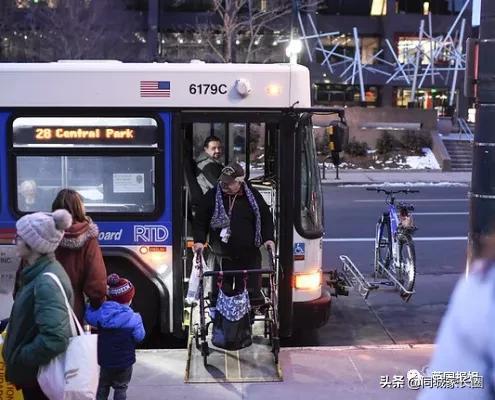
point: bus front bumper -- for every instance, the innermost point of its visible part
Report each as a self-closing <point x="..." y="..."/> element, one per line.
<point x="313" y="314"/>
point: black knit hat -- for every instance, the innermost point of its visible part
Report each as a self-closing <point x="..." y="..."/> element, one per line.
<point x="231" y="173"/>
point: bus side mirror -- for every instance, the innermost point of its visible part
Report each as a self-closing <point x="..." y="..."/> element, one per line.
<point x="338" y="136"/>
<point x="471" y="71"/>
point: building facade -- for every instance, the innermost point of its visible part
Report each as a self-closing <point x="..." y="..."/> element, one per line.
<point x="181" y="30"/>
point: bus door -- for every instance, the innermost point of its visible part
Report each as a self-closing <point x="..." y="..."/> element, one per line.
<point x="248" y="138"/>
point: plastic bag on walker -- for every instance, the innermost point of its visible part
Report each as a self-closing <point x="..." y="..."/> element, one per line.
<point x="193" y="286"/>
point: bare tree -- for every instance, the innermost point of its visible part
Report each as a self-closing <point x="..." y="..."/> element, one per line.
<point x="7" y="26"/>
<point x="236" y="19"/>
<point x="84" y="29"/>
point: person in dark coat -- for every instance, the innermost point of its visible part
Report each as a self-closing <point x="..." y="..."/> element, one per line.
<point x="119" y="330"/>
<point x="80" y="254"/>
<point x="39" y="324"/>
<point x="238" y="222"/>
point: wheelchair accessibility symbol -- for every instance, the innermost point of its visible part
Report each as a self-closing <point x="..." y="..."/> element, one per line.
<point x="299" y="251"/>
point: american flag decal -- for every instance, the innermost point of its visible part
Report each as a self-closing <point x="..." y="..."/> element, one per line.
<point x="155" y="88"/>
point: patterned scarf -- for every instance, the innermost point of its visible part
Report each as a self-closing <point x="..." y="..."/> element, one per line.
<point x="221" y="220"/>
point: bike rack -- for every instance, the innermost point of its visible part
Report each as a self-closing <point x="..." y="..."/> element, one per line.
<point x="405" y="294"/>
<point x="355" y="278"/>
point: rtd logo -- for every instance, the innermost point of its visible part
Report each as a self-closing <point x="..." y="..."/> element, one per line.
<point x="150" y="233"/>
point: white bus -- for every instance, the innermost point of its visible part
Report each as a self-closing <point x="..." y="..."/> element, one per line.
<point x="125" y="135"/>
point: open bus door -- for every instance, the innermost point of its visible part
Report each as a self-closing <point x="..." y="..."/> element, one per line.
<point x="278" y="152"/>
<point x="251" y="138"/>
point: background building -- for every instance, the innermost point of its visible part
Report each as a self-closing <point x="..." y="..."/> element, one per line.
<point x="239" y="31"/>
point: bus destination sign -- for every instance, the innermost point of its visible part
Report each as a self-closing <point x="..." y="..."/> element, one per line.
<point x="45" y="134"/>
<point x="39" y="131"/>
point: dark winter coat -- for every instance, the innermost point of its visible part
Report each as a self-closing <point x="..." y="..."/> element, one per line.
<point x="119" y="329"/>
<point x="39" y="327"/>
<point x="208" y="171"/>
<point x="80" y="255"/>
<point x="242" y="224"/>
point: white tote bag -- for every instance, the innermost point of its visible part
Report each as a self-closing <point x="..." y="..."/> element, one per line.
<point x="193" y="286"/>
<point x="74" y="374"/>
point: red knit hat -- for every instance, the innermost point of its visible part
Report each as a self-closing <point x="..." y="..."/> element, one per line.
<point x="120" y="289"/>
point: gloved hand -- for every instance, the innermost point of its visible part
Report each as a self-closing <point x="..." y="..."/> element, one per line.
<point x="270" y="244"/>
<point x="198" y="247"/>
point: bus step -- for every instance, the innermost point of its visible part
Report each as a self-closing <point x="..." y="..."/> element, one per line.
<point x="355" y="279"/>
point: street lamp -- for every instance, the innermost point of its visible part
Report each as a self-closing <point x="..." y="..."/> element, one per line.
<point x="293" y="49"/>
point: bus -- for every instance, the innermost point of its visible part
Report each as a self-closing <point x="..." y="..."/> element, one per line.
<point x="125" y="137"/>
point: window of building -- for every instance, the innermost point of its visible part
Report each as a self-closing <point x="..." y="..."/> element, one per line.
<point x="29" y="3"/>
<point x="349" y="7"/>
<point x="427" y="99"/>
<point x="379" y="7"/>
<point x="344" y="95"/>
<point x="370" y="45"/>
<point x="425" y="6"/>
<point x="406" y="49"/>
<point x="188" y="5"/>
<point x="209" y="47"/>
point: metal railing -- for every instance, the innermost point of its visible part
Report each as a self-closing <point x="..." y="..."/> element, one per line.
<point x="465" y="130"/>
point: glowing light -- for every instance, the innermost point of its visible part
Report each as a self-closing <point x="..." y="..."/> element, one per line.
<point x="273" y="90"/>
<point x="308" y="281"/>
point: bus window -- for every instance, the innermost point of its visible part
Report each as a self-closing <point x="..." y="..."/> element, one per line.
<point x="235" y="137"/>
<point x="107" y="184"/>
<point x="256" y="149"/>
<point x="118" y="175"/>
<point x="237" y="143"/>
<point x="201" y="131"/>
<point x="311" y="213"/>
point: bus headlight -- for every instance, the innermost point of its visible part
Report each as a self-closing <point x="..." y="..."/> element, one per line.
<point x="307" y="281"/>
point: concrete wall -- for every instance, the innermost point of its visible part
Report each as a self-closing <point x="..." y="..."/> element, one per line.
<point x="357" y="116"/>
<point x="440" y="152"/>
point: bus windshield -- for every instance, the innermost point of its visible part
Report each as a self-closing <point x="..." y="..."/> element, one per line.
<point x="89" y="155"/>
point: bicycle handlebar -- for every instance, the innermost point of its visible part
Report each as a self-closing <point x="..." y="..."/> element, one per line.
<point x="390" y="192"/>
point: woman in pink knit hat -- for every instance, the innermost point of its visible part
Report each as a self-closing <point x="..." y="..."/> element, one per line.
<point x="39" y="327"/>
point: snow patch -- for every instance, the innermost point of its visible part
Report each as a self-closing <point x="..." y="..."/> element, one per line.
<point x="427" y="161"/>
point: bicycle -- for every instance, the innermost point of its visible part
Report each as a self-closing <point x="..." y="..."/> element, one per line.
<point x="395" y="254"/>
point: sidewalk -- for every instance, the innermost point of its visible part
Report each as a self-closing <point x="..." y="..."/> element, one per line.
<point x="357" y="177"/>
<point x="311" y="373"/>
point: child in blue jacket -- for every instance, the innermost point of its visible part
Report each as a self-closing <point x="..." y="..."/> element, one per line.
<point x="119" y="330"/>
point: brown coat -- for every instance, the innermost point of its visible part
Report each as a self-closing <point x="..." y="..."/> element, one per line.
<point x="80" y="255"/>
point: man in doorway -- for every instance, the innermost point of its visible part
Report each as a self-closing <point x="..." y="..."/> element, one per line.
<point x="209" y="166"/>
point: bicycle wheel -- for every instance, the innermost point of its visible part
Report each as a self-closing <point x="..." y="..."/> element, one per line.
<point x="383" y="242"/>
<point x="407" y="264"/>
